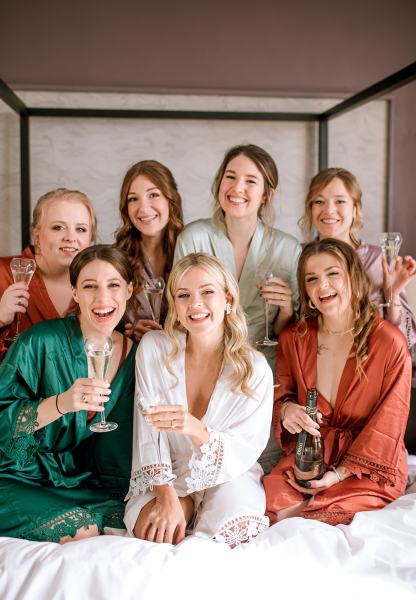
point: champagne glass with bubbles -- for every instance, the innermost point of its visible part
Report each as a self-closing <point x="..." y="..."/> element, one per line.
<point x="22" y="270"/>
<point x="153" y="289"/>
<point x="390" y="243"/>
<point x="98" y="348"/>
<point x="146" y="404"/>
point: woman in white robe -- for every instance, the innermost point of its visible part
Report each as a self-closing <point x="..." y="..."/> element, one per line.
<point x="213" y="416"/>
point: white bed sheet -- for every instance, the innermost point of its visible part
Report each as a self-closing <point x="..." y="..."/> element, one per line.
<point x="374" y="557"/>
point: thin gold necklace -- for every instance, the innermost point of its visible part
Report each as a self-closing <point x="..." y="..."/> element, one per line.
<point x="326" y="330"/>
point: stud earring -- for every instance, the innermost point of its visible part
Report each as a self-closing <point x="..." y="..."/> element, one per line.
<point x="228" y="308"/>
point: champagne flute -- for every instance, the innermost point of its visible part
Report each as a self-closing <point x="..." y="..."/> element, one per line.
<point x="153" y="289"/>
<point x="390" y="242"/>
<point x="22" y="270"/>
<point x="98" y="348"/>
<point x="146" y="405"/>
<point x="264" y="279"/>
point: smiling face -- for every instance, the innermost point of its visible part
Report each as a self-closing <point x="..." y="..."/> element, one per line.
<point x="64" y="230"/>
<point x="333" y="211"/>
<point x="147" y="207"/>
<point x="102" y="294"/>
<point x="200" y="303"/>
<point x="328" y="285"/>
<point x="241" y="192"/>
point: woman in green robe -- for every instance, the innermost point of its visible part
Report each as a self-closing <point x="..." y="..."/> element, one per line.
<point x="59" y="481"/>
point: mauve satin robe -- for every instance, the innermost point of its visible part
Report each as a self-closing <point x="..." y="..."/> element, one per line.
<point x="363" y="432"/>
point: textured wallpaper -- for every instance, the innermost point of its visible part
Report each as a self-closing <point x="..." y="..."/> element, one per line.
<point x="92" y="155"/>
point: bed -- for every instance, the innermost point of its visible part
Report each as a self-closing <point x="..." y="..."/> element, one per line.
<point x="373" y="557"/>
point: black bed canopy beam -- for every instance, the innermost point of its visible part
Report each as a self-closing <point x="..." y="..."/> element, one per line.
<point x="19" y="107"/>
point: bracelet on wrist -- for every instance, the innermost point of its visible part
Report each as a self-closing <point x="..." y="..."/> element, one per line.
<point x="336" y="473"/>
<point x="56" y="404"/>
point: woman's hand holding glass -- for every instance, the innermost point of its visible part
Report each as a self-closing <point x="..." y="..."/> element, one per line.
<point x="140" y="327"/>
<point x="15" y="299"/>
<point x="395" y="280"/>
<point x="176" y="418"/>
<point x="278" y="292"/>
<point x="85" y="394"/>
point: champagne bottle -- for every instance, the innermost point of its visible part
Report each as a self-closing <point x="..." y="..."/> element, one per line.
<point x="309" y="451"/>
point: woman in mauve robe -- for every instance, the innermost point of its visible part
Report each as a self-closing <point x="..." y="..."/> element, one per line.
<point x="333" y="208"/>
<point x="362" y="433"/>
<point x="64" y="223"/>
<point x="59" y="478"/>
<point x="151" y="213"/>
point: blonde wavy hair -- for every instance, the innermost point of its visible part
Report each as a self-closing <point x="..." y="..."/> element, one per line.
<point x="317" y="184"/>
<point x="128" y="238"/>
<point x="235" y="349"/>
<point x="364" y="311"/>
<point x="267" y="167"/>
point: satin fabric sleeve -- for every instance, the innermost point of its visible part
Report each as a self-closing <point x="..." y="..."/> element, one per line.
<point x="234" y="449"/>
<point x="20" y="375"/>
<point x="287" y="362"/>
<point x="190" y="240"/>
<point x="376" y="449"/>
<point x="146" y="439"/>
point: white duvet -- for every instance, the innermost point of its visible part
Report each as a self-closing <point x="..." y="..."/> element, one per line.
<point x="374" y="557"/>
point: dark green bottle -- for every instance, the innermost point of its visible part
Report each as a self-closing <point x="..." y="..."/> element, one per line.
<point x="309" y="451"/>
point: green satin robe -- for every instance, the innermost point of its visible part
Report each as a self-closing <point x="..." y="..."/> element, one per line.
<point x="63" y="476"/>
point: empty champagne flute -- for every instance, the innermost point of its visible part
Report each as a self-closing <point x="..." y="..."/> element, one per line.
<point x="153" y="289"/>
<point x="22" y="270"/>
<point x="390" y="242"/>
<point x="263" y="279"/>
<point x="162" y="475"/>
<point x="98" y="348"/>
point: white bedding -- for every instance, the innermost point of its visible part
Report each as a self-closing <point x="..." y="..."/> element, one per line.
<point x="374" y="557"/>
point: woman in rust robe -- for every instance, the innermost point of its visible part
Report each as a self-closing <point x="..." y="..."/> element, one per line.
<point x="361" y="368"/>
<point x="64" y="223"/>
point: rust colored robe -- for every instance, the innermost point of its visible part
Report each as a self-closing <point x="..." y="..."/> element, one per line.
<point x="40" y="305"/>
<point x="363" y="432"/>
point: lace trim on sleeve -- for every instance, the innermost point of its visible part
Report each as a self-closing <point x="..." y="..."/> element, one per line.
<point x="406" y="326"/>
<point x="205" y="464"/>
<point x="378" y="473"/>
<point x="143" y="480"/>
<point x="24" y="444"/>
<point x="63" y="526"/>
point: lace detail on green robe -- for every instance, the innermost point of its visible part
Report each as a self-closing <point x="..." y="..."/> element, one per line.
<point x="24" y="444"/>
<point x="62" y="526"/>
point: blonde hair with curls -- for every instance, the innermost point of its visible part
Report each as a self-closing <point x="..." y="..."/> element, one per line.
<point x="128" y="237"/>
<point x="318" y="183"/>
<point x="364" y="311"/>
<point x="234" y="348"/>
<point x="267" y="167"/>
<point x="69" y="196"/>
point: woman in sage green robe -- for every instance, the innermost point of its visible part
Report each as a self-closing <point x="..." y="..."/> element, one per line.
<point x="62" y="477"/>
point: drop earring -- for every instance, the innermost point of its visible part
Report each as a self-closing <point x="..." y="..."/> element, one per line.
<point x="228" y="308"/>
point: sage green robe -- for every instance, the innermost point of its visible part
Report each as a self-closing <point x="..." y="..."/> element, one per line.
<point x="63" y="476"/>
<point x="270" y="250"/>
